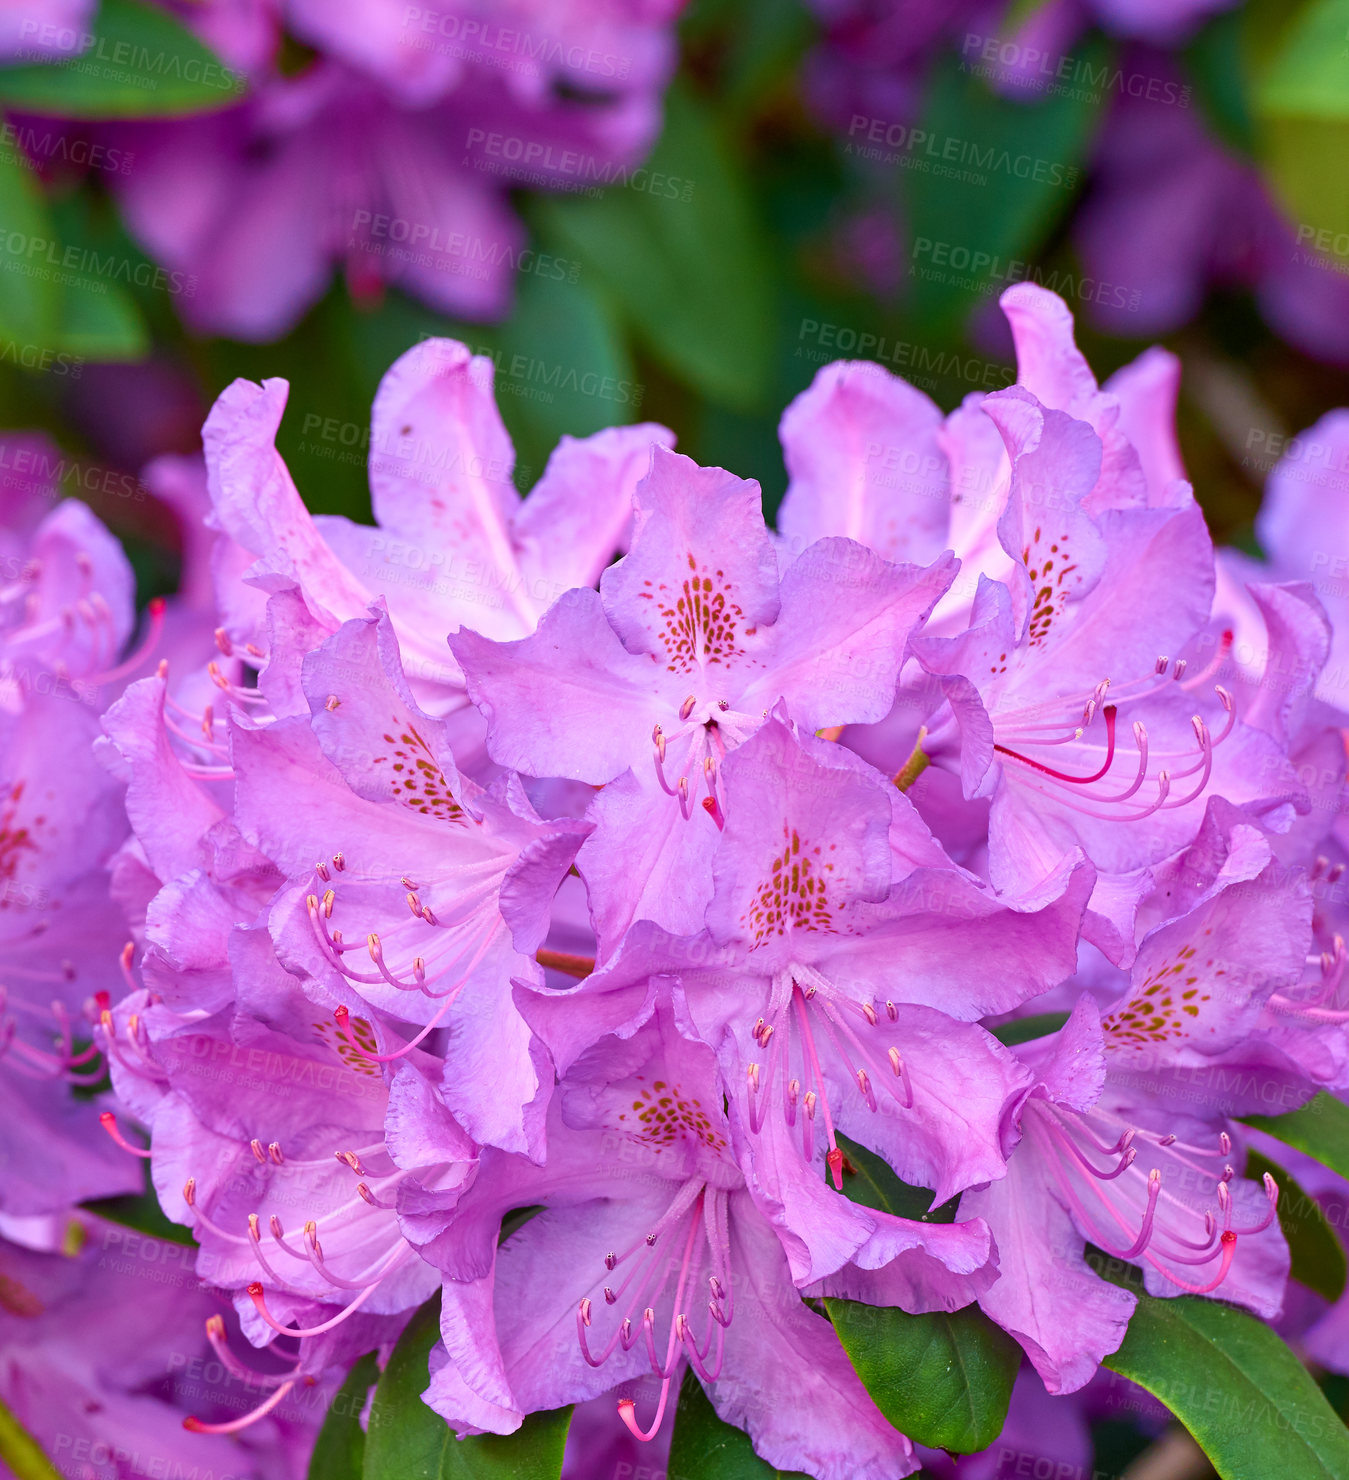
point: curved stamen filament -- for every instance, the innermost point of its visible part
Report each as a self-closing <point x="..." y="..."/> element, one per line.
<point x="215" y="1334"/>
<point x="376" y="1278"/>
<point x="1109" y="712"/>
<point x="154" y="611"/>
<point x="109" y="1123"/>
<point x="196" y="1426"/>
<point x="1156" y="1240"/>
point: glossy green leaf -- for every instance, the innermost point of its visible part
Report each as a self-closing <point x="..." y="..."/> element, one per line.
<point x="139" y="63"/>
<point x="1023" y="1030"/>
<point x="1318" y="1256"/>
<point x="339" y="1450"/>
<point x="406" y="1440"/>
<point x="985" y="178"/>
<point x="29" y="291"/>
<point x="944" y="1379"/>
<point x="1250" y="1404"/>
<point x="869" y="1180"/>
<point x="704" y="1448"/>
<point x="23" y="1455"/>
<point x="1320" y="1128"/>
<point x="678" y="249"/>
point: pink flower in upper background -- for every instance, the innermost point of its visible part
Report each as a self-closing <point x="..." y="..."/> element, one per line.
<point x="606" y="48"/>
<point x="43" y="30"/>
<point x="1174" y="212"/>
<point x="392" y="156"/>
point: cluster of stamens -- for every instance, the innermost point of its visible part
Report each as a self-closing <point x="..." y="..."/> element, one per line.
<point x="706" y="752"/>
<point x="800" y="995"/>
<point x="201" y="744"/>
<point x="86" y="622"/>
<point x="1071" y="1142"/>
<point x="1035" y="728"/>
<point x="476" y="906"/>
<point x="64" y="1060"/>
<point x="695" y="1226"/>
<point x="309" y="1252"/>
<point x="1320" y="1000"/>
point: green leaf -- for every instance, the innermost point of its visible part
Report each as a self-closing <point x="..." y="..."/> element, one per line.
<point x="98" y="321"/>
<point x="1250" y="1404"/>
<point x="1318" y="1257"/>
<point x="339" y="1450"/>
<point x="561" y="366"/>
<point x="869" y="1180"/>
<point x="406" y="1440"/>
<point x="1023" y="1030"/>
<point x="21" y="1452"/>
<point x="984" y="179"/>
<point x="1320" y="1128"/>
<point x="1308" y="77"/>
<point x="1304" y="160"/>
<point x="28" y="291"/>
<point x="1302" y="102"/>
<point x="678" y="249"/>
<point x="1216" y="59"/>
<point x="515" y="1219"/>
<point x="139" y="63"/>
<point x="704" y="1448"/>
<point x="944" y="1379"/>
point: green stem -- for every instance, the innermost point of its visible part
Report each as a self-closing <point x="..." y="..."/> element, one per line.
<point x="21" y="1452"/>
<point x="917" y="763"/>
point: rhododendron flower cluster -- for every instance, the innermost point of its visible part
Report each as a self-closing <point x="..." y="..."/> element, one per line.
<point x="560" y="923"/>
